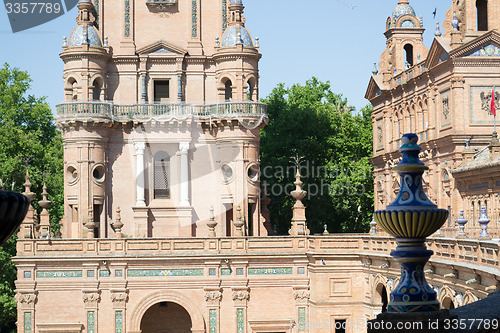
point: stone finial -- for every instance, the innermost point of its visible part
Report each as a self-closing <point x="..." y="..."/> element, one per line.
<point x="65" y="41"/>
<point x="117" y="224"/>
<point x="211" y="223"/>
<point x="264" y="212"/>
<point x="106" y="41"/>
<point x="484" y="221"/>
<point x="239" y="222"/>
<point x="27" y="230"/>
<point x="257" y="42"/>
<point x="299" y="223"/>
<point x="45" y="203"/>
<point x="461" y="225"/>
<point x="325" y="226"/>
<point x="90" y="225"/>
<point x="217" y="41"/>
<point x="375" y="69"/>
<point x="438" y="30"/>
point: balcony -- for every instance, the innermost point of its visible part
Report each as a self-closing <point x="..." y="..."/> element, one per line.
<point x="143" y="112"/>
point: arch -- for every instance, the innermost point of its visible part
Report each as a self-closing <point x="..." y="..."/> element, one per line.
<point x="251" y="88"/>
<point x="197" y="320"/>
<point x="97" y="88"/>
<point x="161" y="186"/>
<point x="469" y="298"/>
<point x="380" y="295"/>
<point x="228" y="90"/>
<point x="408" y="48"/>
<point x="71" y="89"/>
<point x="445" y="174"/>
<point x="482" y="15"/>
<point x="447" y="297"/>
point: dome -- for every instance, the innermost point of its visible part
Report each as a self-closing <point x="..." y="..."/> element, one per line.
<point x="403" y="9"/>
<point x="231" y="34"/>
<point x="93" y="39"/>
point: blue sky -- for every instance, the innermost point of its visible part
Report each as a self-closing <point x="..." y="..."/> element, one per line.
<point x="333" y="40"/>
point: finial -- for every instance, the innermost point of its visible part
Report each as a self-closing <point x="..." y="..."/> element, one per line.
<point x="106" y="43"/>
<point x="117" y="224"/>
<point x="438" y="30"/>
<point x="373" y="225"/>
<point x="45" y="203"/>
<point x="455" y="22"/>
<point x="299" y="223"/>
<point x="238" y="38"/>
<point x="375" y="70"/>
<point x="27" y="188"/>
<point x="467" y="143"/>
<point x="461" y="223"/>
<point x="217" y="42"/>
<point x="239" y="222"/>
<point x="90" y="225"/>
<point x="257" y="42"/>
<point x="484" y="221"/>
<point x="325" y="226"/>
<point x="65" y="41"/>
<point x="211" y="223"/>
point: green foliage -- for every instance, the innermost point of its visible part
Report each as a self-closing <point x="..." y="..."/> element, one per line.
<point x="312" y="123"/>
<point x="28" y="140"/>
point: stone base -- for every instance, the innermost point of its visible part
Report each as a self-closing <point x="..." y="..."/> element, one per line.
<point x="417" y="322"/>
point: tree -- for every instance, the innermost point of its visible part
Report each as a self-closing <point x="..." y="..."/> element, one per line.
<point x="29" y="141"/>
<point x="313" y="129"/>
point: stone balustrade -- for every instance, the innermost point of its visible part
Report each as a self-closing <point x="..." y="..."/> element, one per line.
<point x="122" y="112"/>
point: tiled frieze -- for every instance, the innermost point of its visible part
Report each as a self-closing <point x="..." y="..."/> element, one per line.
<point x="59" y="274"/>
<point x="270" y="271"/>
<point x="164" y="272"/>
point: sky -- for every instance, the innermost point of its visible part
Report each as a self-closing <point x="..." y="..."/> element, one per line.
<point x="333" y="40"/>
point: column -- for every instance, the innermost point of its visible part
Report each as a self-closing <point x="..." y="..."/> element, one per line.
<point x="179" y="88"/>
<point x="301" y="294"/>
<point x="213" y="297"/>
<point x="119" y="299"/>
<point x="139" y="151"/>
<point x="184" y="197"/>
<point x="26" y="310"/>
<point x="144" y="94"/>
<point x="240" y="298"/>
<point x="91" y="300"/>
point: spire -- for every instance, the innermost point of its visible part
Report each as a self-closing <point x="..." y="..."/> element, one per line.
<point x="45" y="203"/>
<point x="299" y="223"/>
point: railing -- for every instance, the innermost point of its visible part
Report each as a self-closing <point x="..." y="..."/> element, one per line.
<point x="460" y="250"/>
<point x="181" y="110"/>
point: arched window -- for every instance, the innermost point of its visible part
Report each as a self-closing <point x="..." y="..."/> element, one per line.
<point x="161" y="176"/>
<point x="96" y="91"/>
<point x="482" y="15"/>
<point x="409" y="54"/>
<point x="228" y="92"/>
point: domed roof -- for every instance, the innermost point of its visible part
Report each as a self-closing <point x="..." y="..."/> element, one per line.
<point x="231" y="35"/>
<point x="77" y="36"/>
<point x="403" y="9"/>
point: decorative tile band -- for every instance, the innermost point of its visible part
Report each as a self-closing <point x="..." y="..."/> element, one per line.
<point x="194" y="32"/>
<point x="270" y="271"/>
<point x="59" y="274"/>
<point x="91" y="322"/>
<point x="302" y="319"/>
<point x="27" y="322"/>
<point x="213" y="320"/>
<point x="240" y="321"/>
<point x="212" y="271"/>
<point x="104" y="273"/>
<point x="224" y="15"/>
<point x="225" y="271"/>
<point x="164" y="272"/>
<point x="127" y="18"/>
<point x="119" y="322"/>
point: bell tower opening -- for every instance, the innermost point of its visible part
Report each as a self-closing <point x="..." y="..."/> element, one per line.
<point x="166" y="317"/>
<point x="482" y="15"/>
<point x="409" y="55"/>
<point x="228" y="90"/>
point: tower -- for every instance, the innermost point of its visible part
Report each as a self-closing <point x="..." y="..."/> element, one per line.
<point x="161" y="113"/>
<point x="405" y="46"/>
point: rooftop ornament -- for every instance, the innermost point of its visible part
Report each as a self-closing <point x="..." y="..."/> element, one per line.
<point x="484" y="221"/>
<point x="411" y="218"/>
<point x="461" y="225"/>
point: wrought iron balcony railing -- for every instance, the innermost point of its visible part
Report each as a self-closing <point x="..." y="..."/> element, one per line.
<point x="137" y="111"/>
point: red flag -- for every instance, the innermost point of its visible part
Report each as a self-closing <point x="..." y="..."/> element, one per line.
<point x="492" y="106"/>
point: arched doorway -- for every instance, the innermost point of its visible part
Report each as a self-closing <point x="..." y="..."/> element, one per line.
<point x="166" y="317"/>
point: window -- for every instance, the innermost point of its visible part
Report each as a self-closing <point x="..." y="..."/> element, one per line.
<point x="409" y="54"/>
<point x="96" y="91"/>
<point x="340" y="325"/>
<point x="482" y="15"/>
<point x="162" y="91"/>
<point x="228" y="91"/>
<point x="161" y="176"/>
